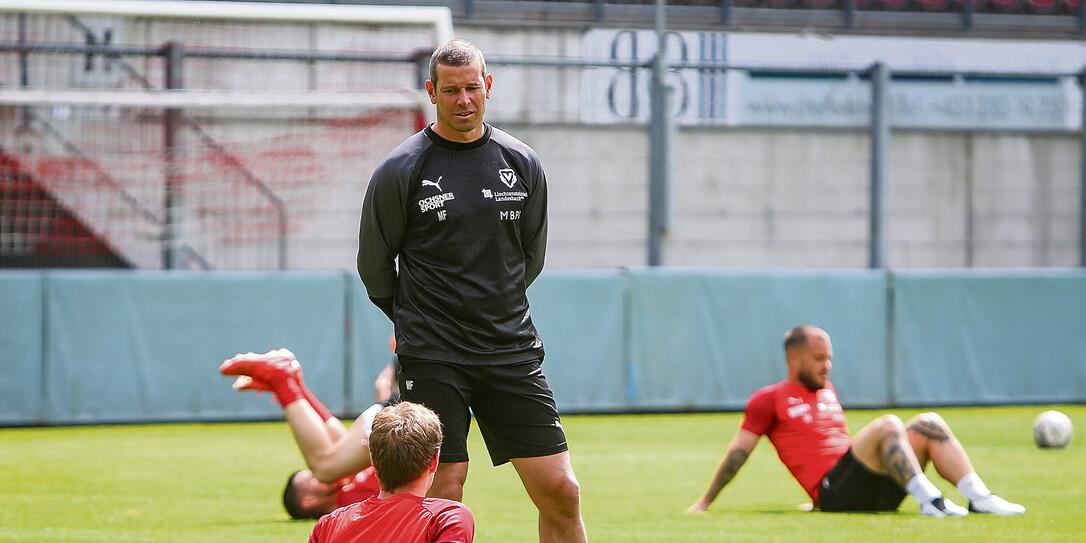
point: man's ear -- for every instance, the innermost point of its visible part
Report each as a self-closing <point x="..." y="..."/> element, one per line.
<point x="488" y="80"/>
<point x="434" y="462"/>
<point x="307" y="502"/>
<point x="431" y="91"/>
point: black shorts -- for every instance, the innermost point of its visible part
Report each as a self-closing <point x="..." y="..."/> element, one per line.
<point x="513" y="404"/>
<point x="849" y="486"/>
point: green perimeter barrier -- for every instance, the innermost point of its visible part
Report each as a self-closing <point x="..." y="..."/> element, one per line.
<point x="989" y="337"/>
<point x="21" y="348"/>
<point x="708" y="339"/>
<point x="580" y="316"/>
<point x="369" y="332"/>
<point x="125" y="346"/>
<point x="122" y="346"/>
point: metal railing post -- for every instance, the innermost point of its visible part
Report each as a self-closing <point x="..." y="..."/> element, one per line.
<point x="967" y="15"/>
<point x="661" y="145"/>
<point x="173" y="54"/>
<point x="880" y="139"/>
<point x="1082" y="175"/>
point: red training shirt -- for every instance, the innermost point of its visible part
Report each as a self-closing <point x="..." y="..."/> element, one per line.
<point x="365" y="485"/>
<point x="807" y="427"/>
<point x="400" y="518"/>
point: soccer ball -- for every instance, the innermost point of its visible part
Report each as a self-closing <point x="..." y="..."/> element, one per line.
<point x="1052" y="430"/>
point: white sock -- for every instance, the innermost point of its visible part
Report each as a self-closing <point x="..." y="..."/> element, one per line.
<point x="922" y="489"/>
<point x="367" y="417"/>
<point x="973" y="488"/>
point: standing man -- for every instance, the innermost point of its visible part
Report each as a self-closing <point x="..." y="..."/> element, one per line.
<point x="462" y="206"/>
<point x="871" y="472"/>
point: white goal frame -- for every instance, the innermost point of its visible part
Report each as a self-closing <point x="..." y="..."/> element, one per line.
<point x="438" y="17"/>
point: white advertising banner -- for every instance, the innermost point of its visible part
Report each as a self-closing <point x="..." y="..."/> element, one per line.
<point x="765" y="97"/>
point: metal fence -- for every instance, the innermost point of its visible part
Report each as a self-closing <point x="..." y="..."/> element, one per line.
<point x="1052" y="18"/>
<point x="592" y="215"/>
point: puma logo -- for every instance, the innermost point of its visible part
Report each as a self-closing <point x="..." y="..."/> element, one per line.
<point x="435" y="184"/>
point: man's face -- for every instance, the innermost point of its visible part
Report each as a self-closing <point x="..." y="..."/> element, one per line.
<point x="460" y="94"/>
<point x="815" y="361"/>
<point x="313" y="494"/>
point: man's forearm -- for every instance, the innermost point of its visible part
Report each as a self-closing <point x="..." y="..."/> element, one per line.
<point x="385" y="304"/>
<point x="734" y="460"/>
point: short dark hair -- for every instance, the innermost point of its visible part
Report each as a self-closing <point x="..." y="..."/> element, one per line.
<point x="797" y="336"/>
<point x="456" y="52"/>
<point x="404" y="439"/>
<point x="292" y="502"/>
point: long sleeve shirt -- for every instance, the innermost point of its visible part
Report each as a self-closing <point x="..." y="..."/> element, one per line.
<point x="467" y="225"/>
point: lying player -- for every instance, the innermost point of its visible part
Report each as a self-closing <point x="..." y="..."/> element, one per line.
<point x="405" y="444"/>
<point x="338" y="459"/>
<point x="871" y="472"/>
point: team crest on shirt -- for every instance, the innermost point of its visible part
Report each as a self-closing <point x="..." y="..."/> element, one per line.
<point x="508" y="176"/>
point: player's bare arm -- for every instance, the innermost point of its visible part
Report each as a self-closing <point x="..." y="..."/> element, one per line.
<point x="738" y="452"/>
<point x="385" y="383"/>
<point x="330" y="459"/>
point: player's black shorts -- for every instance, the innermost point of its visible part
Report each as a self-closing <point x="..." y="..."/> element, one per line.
<point x="849" y="486"/>
<point x="513" y="404"/>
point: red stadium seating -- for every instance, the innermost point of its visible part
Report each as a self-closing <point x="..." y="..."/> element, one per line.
<point x="1006" y="6"/>
<point x="1043" y="6"/>
<point x="933" y="5"/>
<point x="820" y="4"/>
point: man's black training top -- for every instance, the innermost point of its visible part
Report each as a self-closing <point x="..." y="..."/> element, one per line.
<point x="468" y="222"/>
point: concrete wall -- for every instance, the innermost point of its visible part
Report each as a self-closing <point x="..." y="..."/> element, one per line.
<point x="747" y="197"/>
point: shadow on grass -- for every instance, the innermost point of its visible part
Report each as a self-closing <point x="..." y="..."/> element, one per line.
<point x="262" y="522"/>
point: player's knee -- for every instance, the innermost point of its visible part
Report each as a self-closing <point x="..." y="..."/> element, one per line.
<point x="931" y="421"/>
<point x="932" y="417"/>
<point x="449" y="489"/>
<point x="449" y="483"/>
<point x="564" y="497"/>
<point x="890" y="424"/>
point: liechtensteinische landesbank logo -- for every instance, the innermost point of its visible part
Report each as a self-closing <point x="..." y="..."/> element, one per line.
<point x="508" y="176"/>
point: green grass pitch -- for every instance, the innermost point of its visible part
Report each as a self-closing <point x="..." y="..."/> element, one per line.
<point x="221" y="483"/>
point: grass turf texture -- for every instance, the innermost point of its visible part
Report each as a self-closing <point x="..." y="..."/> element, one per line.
<point x="222" y="482"/>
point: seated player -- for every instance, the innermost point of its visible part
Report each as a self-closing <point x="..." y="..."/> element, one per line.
<point x="870" y="472"/>
<point x="339" y="471"/>
<point x="405" y="444"/>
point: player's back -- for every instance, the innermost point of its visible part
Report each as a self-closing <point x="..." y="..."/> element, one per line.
<point x="400" y="518"/>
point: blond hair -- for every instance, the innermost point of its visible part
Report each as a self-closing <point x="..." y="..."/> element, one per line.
<point x="404" y="440"/>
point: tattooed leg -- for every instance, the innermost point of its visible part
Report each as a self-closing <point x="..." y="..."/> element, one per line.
<point x="931" y="438"/>
<point x="898" y="458"/>
<point x="930" y="429"/>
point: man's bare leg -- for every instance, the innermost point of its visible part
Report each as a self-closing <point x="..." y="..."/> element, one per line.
<point x="883" y="447"/>
<point x="330" y="451"/>
<point x="553" y="487"/>
<point x="449" y="481"/>
<point x="931" y="438"/>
